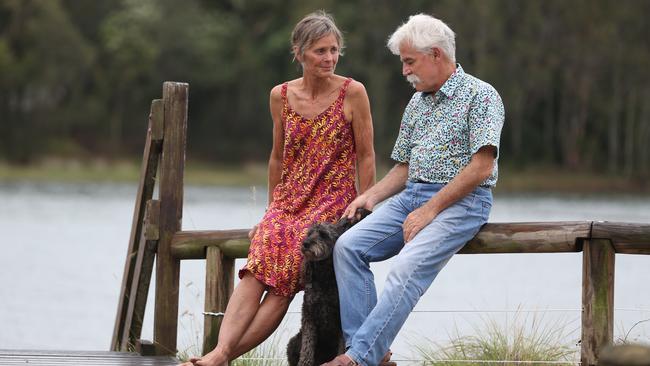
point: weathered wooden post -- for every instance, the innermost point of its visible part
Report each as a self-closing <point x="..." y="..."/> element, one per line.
<point x="171" y="212"/>
<point x="597" y="298"/>
<point x="219" y="283"/>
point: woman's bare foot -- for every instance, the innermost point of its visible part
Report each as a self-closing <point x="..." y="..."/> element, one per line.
<point x="214" y="358"/>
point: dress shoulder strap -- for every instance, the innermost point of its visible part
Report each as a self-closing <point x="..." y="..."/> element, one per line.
<point x="285" y="86"/>
<point x="344" y="88"/>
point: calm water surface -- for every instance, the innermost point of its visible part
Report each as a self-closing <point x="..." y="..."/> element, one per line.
<point x="64" y="245"/>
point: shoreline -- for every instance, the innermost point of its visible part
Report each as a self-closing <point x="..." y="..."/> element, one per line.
<point x="511" y="181"/>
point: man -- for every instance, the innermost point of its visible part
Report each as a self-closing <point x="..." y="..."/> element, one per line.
<point x="446" y="155"/>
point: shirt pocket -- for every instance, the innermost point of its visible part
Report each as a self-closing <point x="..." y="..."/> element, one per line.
<point x="450" y="135"/>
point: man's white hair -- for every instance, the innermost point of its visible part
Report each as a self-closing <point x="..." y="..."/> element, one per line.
<point x="424" y="32"/>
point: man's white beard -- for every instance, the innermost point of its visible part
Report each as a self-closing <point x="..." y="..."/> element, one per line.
<point x="413" y="80"/>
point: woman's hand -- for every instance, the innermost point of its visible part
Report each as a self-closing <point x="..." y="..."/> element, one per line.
<point x="252" y="232"/>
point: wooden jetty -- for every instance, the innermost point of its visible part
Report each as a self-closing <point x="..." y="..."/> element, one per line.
<point x="58" y="358"/>
<point x="156" y="234"/>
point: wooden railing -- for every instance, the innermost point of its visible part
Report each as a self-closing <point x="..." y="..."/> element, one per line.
<point x="598" y="241"/>
<point x="156" y="231"/>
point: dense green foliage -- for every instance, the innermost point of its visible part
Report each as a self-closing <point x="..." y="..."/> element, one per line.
<point x="77" y="77"/>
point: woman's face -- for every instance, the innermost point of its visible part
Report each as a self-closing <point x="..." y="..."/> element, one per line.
<point x="321" y="57"/>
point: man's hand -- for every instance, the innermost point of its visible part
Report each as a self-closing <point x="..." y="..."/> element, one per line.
<point x="416" y="220"/>
<point x="392" y="183"/>
<point x="477" y="171"/>
<point x="362" y="201"/>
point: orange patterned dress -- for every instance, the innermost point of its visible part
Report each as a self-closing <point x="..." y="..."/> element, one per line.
<point x="317" y="184"/>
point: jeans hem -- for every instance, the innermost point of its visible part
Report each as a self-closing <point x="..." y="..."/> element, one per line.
<point x="355" y="358"/>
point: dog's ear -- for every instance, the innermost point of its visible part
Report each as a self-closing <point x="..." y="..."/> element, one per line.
<point x="310" y="231"/>
<point x="345" y="223"/>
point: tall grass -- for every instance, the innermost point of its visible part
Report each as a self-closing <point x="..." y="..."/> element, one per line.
<point x="193" y="333"/>
<point x="269" y="353"/>
<point x="628" y="337"/>
<point x="525" y="338"/>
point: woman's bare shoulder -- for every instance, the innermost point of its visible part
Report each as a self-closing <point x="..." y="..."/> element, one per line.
<point x="357" y="89"/>
<point x="276" y="91"/>
<point x="275" y="96"/>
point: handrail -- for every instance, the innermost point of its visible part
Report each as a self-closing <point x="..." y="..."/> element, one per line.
<point x="520" y="237"/>
<point x="193" y="244"/>
<point x="627" y="238"/>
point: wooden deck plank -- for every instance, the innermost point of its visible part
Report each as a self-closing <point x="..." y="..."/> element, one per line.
<point x="55" y="358"/>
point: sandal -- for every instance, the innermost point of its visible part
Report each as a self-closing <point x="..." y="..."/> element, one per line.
<point x="386" y="360"/>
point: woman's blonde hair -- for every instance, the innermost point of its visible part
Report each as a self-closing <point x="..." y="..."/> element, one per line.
<point x="311" y="28"/>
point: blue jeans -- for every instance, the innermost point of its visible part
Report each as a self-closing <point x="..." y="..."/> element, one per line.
<point x="369" y="324"/>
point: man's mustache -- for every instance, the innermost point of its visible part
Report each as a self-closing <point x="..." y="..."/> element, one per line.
<point x="413" y="80"/>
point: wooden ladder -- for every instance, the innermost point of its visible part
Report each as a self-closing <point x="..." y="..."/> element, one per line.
<point x="152" y="228"/>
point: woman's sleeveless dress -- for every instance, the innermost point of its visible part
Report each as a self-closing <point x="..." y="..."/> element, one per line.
<point x="317" y="184"/>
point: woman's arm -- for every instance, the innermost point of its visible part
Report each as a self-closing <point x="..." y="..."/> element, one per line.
<point x="359" y="114"/>
<point x="275" y="160"/>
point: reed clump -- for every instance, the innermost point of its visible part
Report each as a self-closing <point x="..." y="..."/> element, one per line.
<point x="524" y="340"/>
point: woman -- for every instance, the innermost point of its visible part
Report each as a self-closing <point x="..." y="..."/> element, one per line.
<point x="322" y="131"/>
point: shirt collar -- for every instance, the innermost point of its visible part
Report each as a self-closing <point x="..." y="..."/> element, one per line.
<point x="451" y="84"/>
<point x="449" y="87"/>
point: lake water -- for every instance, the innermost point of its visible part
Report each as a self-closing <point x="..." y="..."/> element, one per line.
<point x="64" y="246"/>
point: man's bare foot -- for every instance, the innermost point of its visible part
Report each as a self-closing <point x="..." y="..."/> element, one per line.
<point x="341" y="360"/>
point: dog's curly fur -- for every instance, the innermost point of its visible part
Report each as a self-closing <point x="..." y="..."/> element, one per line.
<point x="320" y="338"/>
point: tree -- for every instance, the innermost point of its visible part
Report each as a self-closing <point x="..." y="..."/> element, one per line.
<point x="43" y="59"/>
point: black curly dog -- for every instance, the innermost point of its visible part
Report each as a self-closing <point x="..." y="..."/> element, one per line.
<point x="320" y="338"/>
